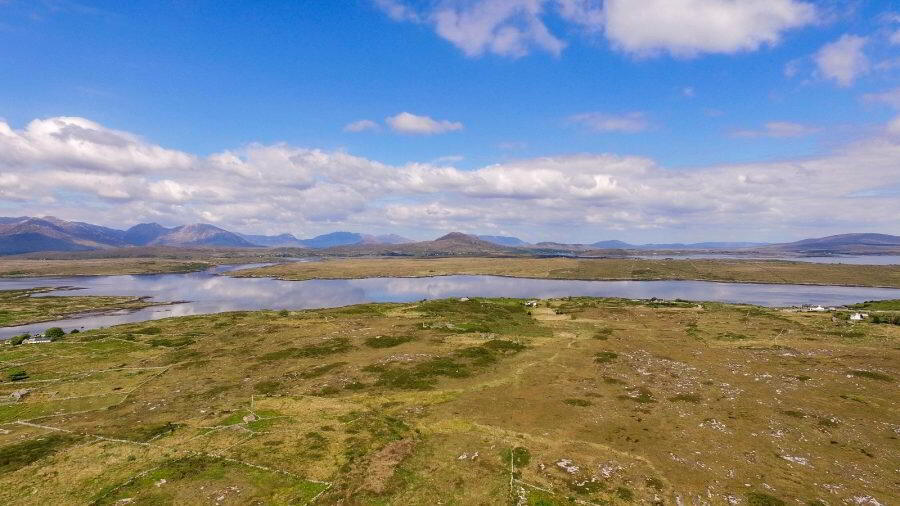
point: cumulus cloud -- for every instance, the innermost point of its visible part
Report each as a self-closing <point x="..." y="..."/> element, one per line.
<point x="843" y="60"/>
<point x="689" y="27"/>
<point x="632" y="122"/>
<point x="408" y="123"/>
<point x="779" y="129"/>
<point x="67" y="141"/>
<point x="504" y="27"/>
<point x="361" y="126"/>
<point x="273" y="188"/>
<point x="679" y="27"/>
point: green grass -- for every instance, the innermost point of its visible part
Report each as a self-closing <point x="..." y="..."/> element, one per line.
<point x="692" y="398"/>
<point x="171" y="343"/>
<point x="875" y="375"/>
<point x="386" y="341"/>
<point x="320" y="370"/>
<point x="497" y="316"/>
<point x="144" y="433"/>
<point x="640" y="395"/>
<point x="605" y="357"/>
<point x="18" y="307"/>
<point x="519" y="456"/>
<point x="267" y="387"/>
<point x="878" y="305"/>
<point x="339" y="402"/>
<point x="603" y="333"/>
<point x="325" y="348"/>
<point x="794" y="413"/>
<point x="184" y="476"/>
<point x="421" y="376"/>
<point x="19" y="455"/>
<point x="732" y="336"/>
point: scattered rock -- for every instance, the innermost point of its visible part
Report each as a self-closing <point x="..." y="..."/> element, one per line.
<point x="18" y="395"/>
<point x="567" y="465"/>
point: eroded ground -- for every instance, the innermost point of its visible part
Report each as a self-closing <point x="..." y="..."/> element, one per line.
<point x="587" y="401"/>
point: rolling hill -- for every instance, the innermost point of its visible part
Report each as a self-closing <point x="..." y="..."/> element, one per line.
<point x="452" y="244"/>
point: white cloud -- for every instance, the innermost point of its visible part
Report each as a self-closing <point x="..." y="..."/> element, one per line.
<point x="504" y="27"/>
<point x="66" y="141"/>
<point x="397" y="10"/>
<point x="843" y="60"/>
<point x="889" y="97"/>
<point x="893" y="128"/>
<point x="680" y="27"/>
<point x="361" y="126"/>
<point x="601" y="122"/>
<point x="272" y="188"/>
<point x="449" y="159"/>
<point x="894" y="38"/>
<point x="779" y="129"/>
<point x="408" y="123"/>
<point x="690" y="27"/>
<point x="688" y="91"/>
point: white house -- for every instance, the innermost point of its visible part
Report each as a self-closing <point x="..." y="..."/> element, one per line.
<point x="531" y="303"/>
<point x="37" y="340"/>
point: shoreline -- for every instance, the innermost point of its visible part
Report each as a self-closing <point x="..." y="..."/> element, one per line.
<point x="281" y="278"/>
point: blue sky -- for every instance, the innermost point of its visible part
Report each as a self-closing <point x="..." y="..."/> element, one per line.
<point x="503" y="86"/>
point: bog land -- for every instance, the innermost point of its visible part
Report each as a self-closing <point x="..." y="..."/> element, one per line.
<point x="743" y="271"/>
<point x="482" y="401"/>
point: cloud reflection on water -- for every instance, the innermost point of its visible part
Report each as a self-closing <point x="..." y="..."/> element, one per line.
<point x="210" y="293"/>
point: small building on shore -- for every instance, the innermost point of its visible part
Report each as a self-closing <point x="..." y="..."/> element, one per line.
<point x="37" y="340"/>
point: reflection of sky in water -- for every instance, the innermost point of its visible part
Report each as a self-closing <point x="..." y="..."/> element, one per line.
<point x="210" y="293"/>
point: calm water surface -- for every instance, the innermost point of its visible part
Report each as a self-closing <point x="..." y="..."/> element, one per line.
<point x="209" y="292"/>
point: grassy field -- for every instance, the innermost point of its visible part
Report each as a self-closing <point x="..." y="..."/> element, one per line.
<point x="17" y="268"/>
<point x="755" y="271"/>
<point x="139" y="260"/>
<point x="18" y="307"/>
<point x="577" y="401"/>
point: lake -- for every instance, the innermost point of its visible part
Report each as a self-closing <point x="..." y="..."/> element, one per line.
<point x="210" y="292"/>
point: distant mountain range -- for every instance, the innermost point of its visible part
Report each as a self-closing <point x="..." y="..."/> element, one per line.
<point x="503" y="240"/>
<point x="613" y="244"/>
<point x="26" y="234"/>
<point x="843" y="244"/>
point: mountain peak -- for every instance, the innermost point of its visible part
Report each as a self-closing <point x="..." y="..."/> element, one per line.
<point x="456" y="236"/>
